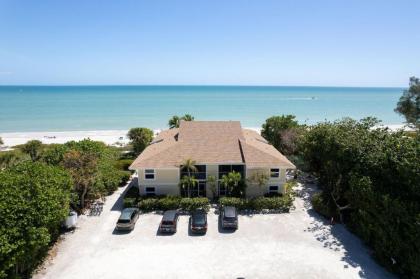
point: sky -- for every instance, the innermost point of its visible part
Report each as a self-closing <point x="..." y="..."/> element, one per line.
<point x="214" y="42"/>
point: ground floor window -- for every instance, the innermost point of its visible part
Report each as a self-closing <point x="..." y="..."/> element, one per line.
<point x="222" y="190"/>
<point x="150" y="191"/>
<point x="273" y="189"/>
<point x="199" y="190"/>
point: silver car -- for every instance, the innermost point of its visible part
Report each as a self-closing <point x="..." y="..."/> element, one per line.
<point x="128" y="219"/>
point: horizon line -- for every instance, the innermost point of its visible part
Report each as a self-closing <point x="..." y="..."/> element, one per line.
<point x="199" y="85"/>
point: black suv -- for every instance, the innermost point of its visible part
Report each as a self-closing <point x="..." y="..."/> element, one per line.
<point x="128" y="219"/>
<point x="199" y="221"/>
<point x="229" y="218"/>
<point x="169" y="222"/>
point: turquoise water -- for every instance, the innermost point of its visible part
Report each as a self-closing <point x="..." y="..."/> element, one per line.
<point x="66" y="108"/>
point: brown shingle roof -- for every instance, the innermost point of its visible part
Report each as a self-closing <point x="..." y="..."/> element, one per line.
<point x="210" y="142"/>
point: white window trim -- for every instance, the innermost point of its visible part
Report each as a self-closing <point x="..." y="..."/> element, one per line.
<point x="279" y="172"/>
<point x="146" y="192"/>
<point x="149" y="179"/>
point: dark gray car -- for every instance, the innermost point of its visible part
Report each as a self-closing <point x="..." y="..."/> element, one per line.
<point x="169" y="222"/>
<point x="128" y="219"/>
<point x="229" y="218"/>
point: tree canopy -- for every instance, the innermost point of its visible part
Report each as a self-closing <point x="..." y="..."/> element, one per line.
<point x="282" y="132"/>
<point x="370" y="179"/>
<point x="140" y="138"/>
<point x="409" y="103"/>
<point x="176" y="120"/>
<point x="33" y="149"/>
<point x="34" y="200"/>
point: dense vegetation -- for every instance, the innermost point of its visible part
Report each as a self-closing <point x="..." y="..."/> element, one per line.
<point x="39" y="184"/>
<point x="34" y="200"/>
<point x="370" y="179"/>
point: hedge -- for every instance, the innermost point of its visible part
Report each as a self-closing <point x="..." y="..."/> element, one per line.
<point x="170" y="202"/>
<point x="259" y="204"/>
<point x="130" y="202"/>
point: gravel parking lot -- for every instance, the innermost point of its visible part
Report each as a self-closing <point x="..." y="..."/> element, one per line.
<point x="298" y="244"/>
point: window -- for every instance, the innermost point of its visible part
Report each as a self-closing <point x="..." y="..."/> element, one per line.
<point x="150" y="191"/>
<point x="274" y="172"/>
<point x="198" y="190"/>
<point x="273" y="189"/>
<point x="149" y="174"/>
<point x="222" y="190"/>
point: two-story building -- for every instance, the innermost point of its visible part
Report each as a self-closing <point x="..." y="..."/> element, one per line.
<point x="217" y="147"/>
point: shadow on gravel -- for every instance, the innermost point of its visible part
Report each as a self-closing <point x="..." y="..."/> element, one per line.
<point x="118" y="205"/>
<point x="338" y="238"/>
<point x="117" y="232"/>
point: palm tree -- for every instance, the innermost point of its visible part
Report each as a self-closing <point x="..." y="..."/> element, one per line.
<point x="187" y="117"/>
<point x="174" y="122"/>
<point x="188" y="182"/>
<point x="231" y="181"/>
<point x="189" y="166"/>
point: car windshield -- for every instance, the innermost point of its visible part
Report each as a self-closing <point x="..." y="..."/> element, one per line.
<point x="199" y="219"/>
<point x="123" y="221"/>
<point x="168" y="223"/>
<point x="230" y="212"/>
<point x="126" y="214"/>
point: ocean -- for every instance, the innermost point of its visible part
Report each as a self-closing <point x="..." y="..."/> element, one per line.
<point x="79" y="108"/>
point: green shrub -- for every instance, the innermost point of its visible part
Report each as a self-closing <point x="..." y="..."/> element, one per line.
<point x="123" y="164"/>
<point x="124" y="177"/>
<point x="261" y="203"/>
<point x="168" y="203"/>
<point x="130" y="202"/>
<point x="236" y="202"/>
<point x="319" y="205"/>
<point x="148" y="204"/>
<point x="194" y="203"/>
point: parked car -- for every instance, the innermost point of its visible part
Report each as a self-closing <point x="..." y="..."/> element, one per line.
<point x="199" y="221"/>
<point x="169" y="222"/>
<point x="128" y="219"/>
<point x="229" y="217"/>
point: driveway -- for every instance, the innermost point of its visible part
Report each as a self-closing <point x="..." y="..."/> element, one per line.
<point x="299" y="244"/>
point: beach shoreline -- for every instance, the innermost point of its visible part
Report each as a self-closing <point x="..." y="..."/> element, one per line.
<point x="110" y="137"/>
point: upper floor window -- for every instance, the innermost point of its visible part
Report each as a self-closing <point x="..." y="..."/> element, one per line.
<point x="274" y="172"/>
<point x="149" y="174"/>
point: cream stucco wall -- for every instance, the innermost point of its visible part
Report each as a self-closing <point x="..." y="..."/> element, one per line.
<point x="165" y="182"/>
<point x="254" y="190"/>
